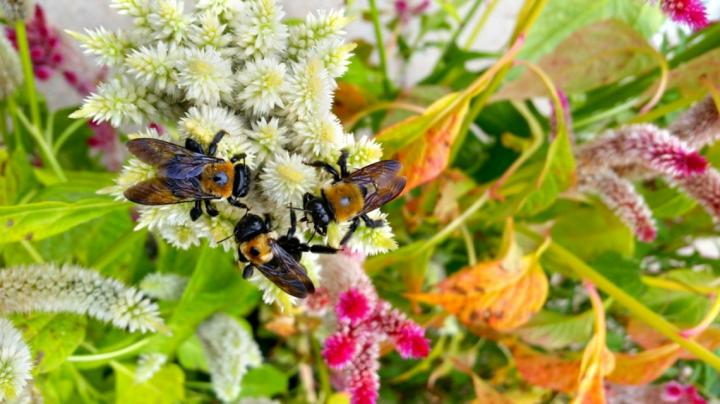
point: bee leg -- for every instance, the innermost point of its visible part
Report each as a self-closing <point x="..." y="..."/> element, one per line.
<point x="351" y="230"/>
<point x="327" y="167"/>
<point x="210" y="209"/>
<point x="323" y="249"/>
<point x="234" y="202"/>
<point x="241" y="257"/>
<point x="372" y="223"/>
<point x="192" y="145"/>
<point x="342" y="163"/>
<point x="268" y="221"/>
<point x="247" y="271"/>
<point x="293" y="224"/>
<point x="196" y="211"/>
<point x="238" y="157"/>
<point x="212" y="147"/>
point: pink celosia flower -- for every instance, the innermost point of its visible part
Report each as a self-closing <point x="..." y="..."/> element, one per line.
<point x="705" y="188"/>
<point x="693" y="396"/>
<point x="649" y="145"/>
<point x="700" y="125"/>
<point x="620" y="196"/>
<point x="339" y="349"/>
<point x="672" y="392"/>
<point x="364" y="321"/>
<point x="405" y="11"/>
<point x="352" y="306"/>
<point x="45" y="45"/>
<point x="690" y="12"/>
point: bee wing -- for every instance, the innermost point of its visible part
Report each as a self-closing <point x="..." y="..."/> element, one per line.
<point x="381" y="181"/>
<point x="289" y="275"/>
<point x="172" y="161"/>
<point x="165" y="191"/>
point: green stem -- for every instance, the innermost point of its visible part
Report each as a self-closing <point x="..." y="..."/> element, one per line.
<point x="27" y="67"/>
<point x="456" y="34"/>
<point x="44" y="147"/>
<point x="104" y="356"/>
<point x="469" y="245"/>
<point x="455" y="224"/>
<point x="12" y="108"/>
<point x="480" y="24"/>
<point x="3" y="127"/>
<point x="34" y="254"/>
<point x="49" y="126"/>
<point x="635" y="307"/>
<point x="387" y="86"/>
<point x="65" y="135"/>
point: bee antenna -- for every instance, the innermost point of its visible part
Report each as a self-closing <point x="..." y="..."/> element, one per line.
<point x="225" y="239"/>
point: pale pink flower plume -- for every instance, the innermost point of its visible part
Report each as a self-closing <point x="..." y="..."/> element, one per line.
<point x="705" y="188"/>
<point x="690" y="12"/>
<point x="700" y="125"/>
<point x="620" y="196"/>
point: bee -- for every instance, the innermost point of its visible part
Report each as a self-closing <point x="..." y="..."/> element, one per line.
<point x="189" y="174"/>
<point x="277" y="259"/>
<point x="352" y="195"/>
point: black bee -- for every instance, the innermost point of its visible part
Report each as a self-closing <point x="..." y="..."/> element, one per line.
<point x="186" y="174"/>
<point x="352" y="195"/>
<point x="277" y="259"/>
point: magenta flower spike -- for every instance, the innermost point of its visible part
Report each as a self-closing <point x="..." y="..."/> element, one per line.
<point x="689" y="12"/>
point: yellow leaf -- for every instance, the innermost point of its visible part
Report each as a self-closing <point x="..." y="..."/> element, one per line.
<point x="597" y="361"/>
<point x="644" y="367"/>
<point x="501" y="294"/>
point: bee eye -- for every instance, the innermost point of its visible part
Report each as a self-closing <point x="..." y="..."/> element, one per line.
<point x="220" y="178"/>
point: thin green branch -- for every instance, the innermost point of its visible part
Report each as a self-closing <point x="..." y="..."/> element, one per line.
<point x="65" y="135"/>
<point x="469" y="245"/>
<point x="480" y="24"/>
<point x="387" y="86"/>
<point x="42" y="144"/>
<point x="105" y="356"/>
<point x="34" y="254"/>
<point x="26" y="61"/>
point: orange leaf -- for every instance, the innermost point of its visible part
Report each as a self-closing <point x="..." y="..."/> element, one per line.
<point x="349" y="100"/>
<point x="597" y="360"/>
<point x="502" y="294"/>
<point x="648" y="338"/>
<point x="544" y="370"/>
<point x="424" y="159"/>
<point x="644" y="367"/>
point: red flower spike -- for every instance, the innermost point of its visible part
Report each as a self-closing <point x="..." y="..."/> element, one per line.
<point x="690" y="12"/>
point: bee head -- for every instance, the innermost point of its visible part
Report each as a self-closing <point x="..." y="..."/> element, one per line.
<point x="249" y="227"/>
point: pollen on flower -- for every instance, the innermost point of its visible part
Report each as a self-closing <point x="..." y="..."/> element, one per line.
<point x="261" y="85"/>
<point x="320" y="137"/>
<point x="373" y="240"/>
<point x="205" y="76"/>
<point x="260" y="31"/>
<point x="362" y="151"/>
<point x="309" y="89"/>
<point x="352" y="306"/>
<point x="286" y="178"/>
<point x="203" y="123"/>
<point x="269" y="137"/>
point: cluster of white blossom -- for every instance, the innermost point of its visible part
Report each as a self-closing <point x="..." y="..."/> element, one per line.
<point x="15" y="362"/>
<point x="231" y="65"/>
<point x="230" y="350"/>
<point x="71" y="289"/>
<point x="148" y="365"/>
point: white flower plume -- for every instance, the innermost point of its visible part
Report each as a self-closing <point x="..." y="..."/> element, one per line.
<point x="155" y="66"/>
<point x="205" y="75"/>
<point x="148" y="365"/>
<point x="259" y="31"/>
<point x="261" y="84"/>
<point x="230" y="349"/>
<point x="71" y="289"/>
<point x="117" y="101"/>
<point x="309" y="90"/>
<point x="10" y="71"/>
<point x="269" y="137"/>
<point x="162" y="286"/>
<point x="286" y="178"/>
<point x="320" y="137"/>
<point x="109" y="47"/>
<point x="15" y="362"/>
<point x="168" y="21"/>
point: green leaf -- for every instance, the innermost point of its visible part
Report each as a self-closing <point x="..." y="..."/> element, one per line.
<point x="622" y="272"/>
<point x="80" y="185"/>
<point x="263" y="381"/>
<point x="590" y="231"/>
<point x="594" y="56"/>
<point x="191" y="355"/>
<point x="552" y="330"/>
<point x="166" y="386"/>
<point x="215" y="285"/>
<point x="669" y="203"/>
<point x="52" y="337"/>
<point x="36" y="221"/>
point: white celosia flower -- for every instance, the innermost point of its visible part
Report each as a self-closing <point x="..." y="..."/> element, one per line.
<point x="269" y="137"/>
<point x="109" y="47"/>
<point x="372" y="241"/>
<point x="168" y="21"/>
<point x="71" y="289"/>
<point x="309" y="90"/>
<point x="161" y="286"/>
<point x="15" y="362"/>
<point x="286" y="178"/>
<point x="326" y="26"/>
<point x="203" y="122"/>
<point x="320" y="137"/>
<point x="335" y="56"/>
<point x="261" y="84"/>
<point x="11" y="75"/>
<point x="205" y="75"/>
<point x="259" y="31"/>
<point x="117" y="101"/>
<point x="210" y="32"/>
<point x="140" y="11"/>
<point x="225" y="8"/>
<point x="221" y="229"/>
<point x="230" y="350"/>
<point x="15" y="10"/>
<point x="148" y="365"/>
<point x="362" y="151"/>
<point x="155" y="67"/>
